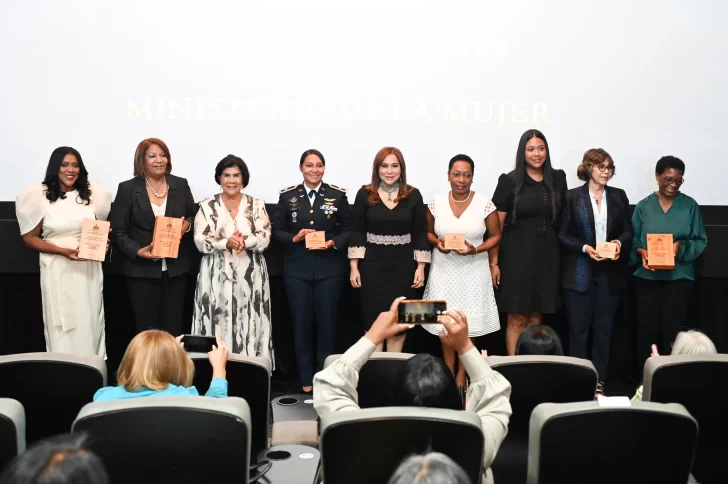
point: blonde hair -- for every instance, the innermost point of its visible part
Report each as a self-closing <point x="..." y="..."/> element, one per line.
<point x="693" y="343"/>
<point x="153" y="360"/>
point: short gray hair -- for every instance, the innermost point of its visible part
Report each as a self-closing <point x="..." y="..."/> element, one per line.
<point x="431" y="468"/>
<point x="693" y="342"/>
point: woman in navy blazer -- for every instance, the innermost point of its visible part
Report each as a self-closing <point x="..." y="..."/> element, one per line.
<point x="591" y="285"/>
<point x="156" y="286"/>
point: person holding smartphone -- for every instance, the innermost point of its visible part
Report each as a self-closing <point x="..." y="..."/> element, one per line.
<point x="156" y="364"/>
<point x="462" y="277"/>
<point x="424" y="381"/>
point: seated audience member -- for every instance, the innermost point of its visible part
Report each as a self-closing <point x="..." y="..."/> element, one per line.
<point x="691" y="342"/>
<point x="431" y="468"/>
<point x="425" y="381"/>
<point x="56" y="460"/>
<point x="539" y="340"/>
<point x="156" y="364"/>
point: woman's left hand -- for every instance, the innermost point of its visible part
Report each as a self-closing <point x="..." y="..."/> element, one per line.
<point x="619" y="250"/>
<point x="185" y="227"/>
<point x="329" y="245"/>
<point x="468" y="250"/>
<point x="419" y="277"/>
<point x="676" y="247"/>
<point x="386" y="325"/>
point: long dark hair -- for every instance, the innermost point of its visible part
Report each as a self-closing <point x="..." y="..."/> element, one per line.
<point x="519" y="173"/>
<point x="53" y="185"/>
<point x="425" y="381"/>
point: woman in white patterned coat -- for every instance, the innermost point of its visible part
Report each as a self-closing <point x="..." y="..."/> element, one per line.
<point x="462" y="277"/>
<point x="232" y="298"/>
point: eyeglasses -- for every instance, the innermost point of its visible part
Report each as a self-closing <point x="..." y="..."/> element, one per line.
<point x="676" y="181"/>
<point x="604" y="167"/>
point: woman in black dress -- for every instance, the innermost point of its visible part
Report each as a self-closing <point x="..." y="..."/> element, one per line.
<point x="388" y="249"/>
<point x="528" y="201"/>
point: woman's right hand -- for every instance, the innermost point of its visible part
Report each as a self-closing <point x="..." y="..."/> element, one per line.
<point x="455" y="331"/>
<point x="355" y="278"/>
<point x="146" y="253"/>
<point x="441" y="246"/>
<point x="70" y="254"/>
<point x="235" y="242"/>
<point x="643" y="253"/>
<point x="592" y="252"/>
<point x="301" y="235"/>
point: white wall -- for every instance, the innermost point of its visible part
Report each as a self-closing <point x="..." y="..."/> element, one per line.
<point x="267" y="80"/>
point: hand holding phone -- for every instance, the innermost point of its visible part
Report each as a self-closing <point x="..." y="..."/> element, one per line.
<point x="193" y="343"/>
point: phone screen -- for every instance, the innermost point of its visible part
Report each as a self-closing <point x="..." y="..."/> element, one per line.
<point x="198" y="344"/>
<point x="420" y="311"/>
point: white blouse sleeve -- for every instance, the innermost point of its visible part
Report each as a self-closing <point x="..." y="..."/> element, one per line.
<point x="432" y="207"/>
<point x="489" y="208"/>
<point x="101" y="201"/>
<point x="30" y="208"/>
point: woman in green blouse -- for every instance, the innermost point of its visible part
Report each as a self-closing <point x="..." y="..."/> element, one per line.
<point x="663" y="295"/>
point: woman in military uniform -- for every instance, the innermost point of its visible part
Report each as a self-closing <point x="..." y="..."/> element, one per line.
<point x="313" y="277"/>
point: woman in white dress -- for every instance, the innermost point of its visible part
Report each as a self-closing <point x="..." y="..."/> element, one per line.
<point x="462" y="277"/>
<point x="232" y="298"/>
<point x="50" y="216"/>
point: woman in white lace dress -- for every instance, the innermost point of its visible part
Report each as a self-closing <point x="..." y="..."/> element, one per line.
<point x="462" y="278"/>
<point x="50" y="217"/>
<point x="232" y="298"/>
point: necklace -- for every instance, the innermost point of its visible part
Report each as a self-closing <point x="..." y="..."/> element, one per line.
<point x="470" y="192"/>
<point x="230" y="210"/>
<point x="389" y="190"/>
<point x="597" y="194"/>
<point x="158" y="195"/>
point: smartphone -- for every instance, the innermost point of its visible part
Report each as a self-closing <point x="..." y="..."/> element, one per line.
<point x="198" y="344"/>
<point x="420" y="311"/>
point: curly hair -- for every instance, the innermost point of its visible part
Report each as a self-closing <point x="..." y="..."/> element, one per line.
<point x="593" y="157"/>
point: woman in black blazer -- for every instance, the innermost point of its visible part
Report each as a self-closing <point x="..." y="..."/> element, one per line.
<point x="156" y="287"/>
<point x="591" y="285"/>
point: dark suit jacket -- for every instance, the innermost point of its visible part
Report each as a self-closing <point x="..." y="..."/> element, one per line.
<point x="331" y="213"/>
<point x="132" y="226"/>
<point x="576" y="229"/>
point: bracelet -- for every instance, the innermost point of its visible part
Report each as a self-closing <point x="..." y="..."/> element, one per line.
<point x="494" y="264"/>
<point x="476" y="251"/>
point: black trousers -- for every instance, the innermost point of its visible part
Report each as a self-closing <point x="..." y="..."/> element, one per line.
<point x="662" y="311"/>
<point x="314" y="304"/>
<point x="158" y="303"/>
<point x="592" y="310"/>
